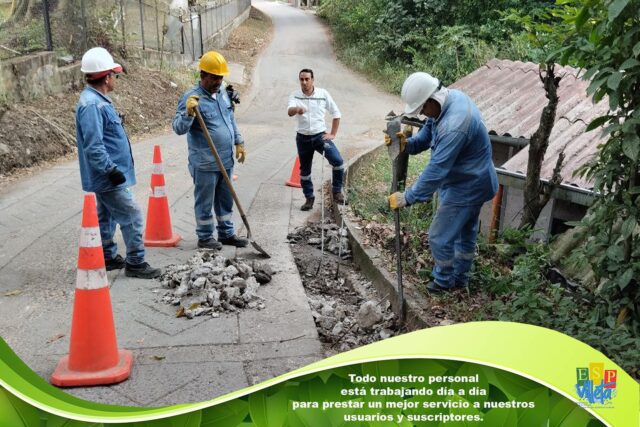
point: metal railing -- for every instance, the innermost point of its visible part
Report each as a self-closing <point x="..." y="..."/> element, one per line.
<point x="119" y="25"/>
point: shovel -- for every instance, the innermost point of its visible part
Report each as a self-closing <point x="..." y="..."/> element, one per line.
<point x="393" y="127"/>
<point x="203" y="126"/>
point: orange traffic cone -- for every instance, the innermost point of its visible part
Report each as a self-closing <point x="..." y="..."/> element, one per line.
<point x="158" y="231"/>
<point x="94" y="357"/>
<point x="294" y="181"/>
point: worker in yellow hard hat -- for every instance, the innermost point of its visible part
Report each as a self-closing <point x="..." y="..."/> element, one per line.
<point x="210" y="190"/>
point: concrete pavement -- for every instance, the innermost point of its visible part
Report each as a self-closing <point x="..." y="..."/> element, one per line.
<point x="180" y="360"/>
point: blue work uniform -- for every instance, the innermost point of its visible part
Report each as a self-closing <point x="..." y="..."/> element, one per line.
<point x="461" y="170"/>
<point x="210" y="188"/>
<point x="102" y="146"/>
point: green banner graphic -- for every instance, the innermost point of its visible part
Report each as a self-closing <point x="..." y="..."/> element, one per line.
<point x="472" y="374"/>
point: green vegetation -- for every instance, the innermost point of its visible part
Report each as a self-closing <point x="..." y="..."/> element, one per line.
<point x="387" y="40"/>
<point x="510" y="280"/>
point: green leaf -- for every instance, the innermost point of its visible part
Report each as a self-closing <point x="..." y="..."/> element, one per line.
<point x="597" y="122"/>
<point x="629" y="63"/>
<point x="636" y="49"/>
<point x="625" y="279"/>
<point x="631" y="148"/>
<point x="268" y="411"/>
<point x="566" y="413"/>
<point x="614" y="80"/>
<point x="17" y="413"/>
<point x="628" y="226"/>
<point x="616" y="8"/>
<point x="229" y="413"/>
<point x="501" y="417"/>
<point x="540" y="414"/>
<point x="582" y="17"/>
<point x="192" y="419"/>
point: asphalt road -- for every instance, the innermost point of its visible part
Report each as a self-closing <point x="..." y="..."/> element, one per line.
<point x="180" y="360"/>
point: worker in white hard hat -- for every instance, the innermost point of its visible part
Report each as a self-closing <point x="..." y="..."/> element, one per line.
<point x="106" y="165"/>
<point x="460" y="169"/>
<point x="210" y="189"/>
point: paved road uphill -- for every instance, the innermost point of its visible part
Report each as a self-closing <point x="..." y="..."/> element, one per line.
<point x="179" y="360"/>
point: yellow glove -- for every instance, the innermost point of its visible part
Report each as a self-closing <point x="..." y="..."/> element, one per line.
<point x="401" y="136"/>
<point x="192" y="104"/>
<point x="241" y="154"/>
<point x="397" y="200"/>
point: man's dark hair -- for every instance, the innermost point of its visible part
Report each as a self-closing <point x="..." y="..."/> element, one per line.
<point x="95" y="82"/>
<point x="306" y="70"/>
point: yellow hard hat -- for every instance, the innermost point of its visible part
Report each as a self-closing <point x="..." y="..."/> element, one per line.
<point x="213" y="63"/>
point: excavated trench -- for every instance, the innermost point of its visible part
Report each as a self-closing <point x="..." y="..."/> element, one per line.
<point x="347" y="310"/>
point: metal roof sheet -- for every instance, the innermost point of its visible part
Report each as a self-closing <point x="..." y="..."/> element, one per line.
<point x="511" y="96"/>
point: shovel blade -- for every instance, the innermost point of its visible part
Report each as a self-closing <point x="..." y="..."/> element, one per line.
<point x="259" y="249"/>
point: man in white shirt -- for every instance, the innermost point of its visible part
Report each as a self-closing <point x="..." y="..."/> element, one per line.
<point x="309" y="104"/>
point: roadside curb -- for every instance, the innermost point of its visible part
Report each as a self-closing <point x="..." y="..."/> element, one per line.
<point x="370" y="262"/>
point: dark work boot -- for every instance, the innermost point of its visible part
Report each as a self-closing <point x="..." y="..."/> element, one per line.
<point x="210" y="243"/>
<point x="308" y="204"/>
<point x="238" y="242"/>
<point x="142" y="271"/>
<point x="114" y="264"/>
<point x="339" y="199"/>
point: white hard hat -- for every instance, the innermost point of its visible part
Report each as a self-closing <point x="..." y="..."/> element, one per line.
<point x="416" y="90"/>
<point x="97" y="62"/>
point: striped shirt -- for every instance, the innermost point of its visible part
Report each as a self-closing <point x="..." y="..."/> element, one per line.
<point x="316" y="105"/>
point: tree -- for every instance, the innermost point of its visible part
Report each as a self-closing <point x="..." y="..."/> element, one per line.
<point x="546" y="30"/>
<point x="605" y="41"/>
<point x="535" y="198"/>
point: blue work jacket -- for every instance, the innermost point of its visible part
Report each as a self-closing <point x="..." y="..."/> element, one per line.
<point x="221" y="123"/>
<point x="102" y="143"/>
<point x="461" y="168"/>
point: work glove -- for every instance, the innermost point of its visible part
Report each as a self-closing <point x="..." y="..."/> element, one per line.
<point x="397" y="200"/>
<point x="241" y="154"/>
<point x="401" y="136"/>
<point x="192" y="104"/>
<point x="116" y="177"/>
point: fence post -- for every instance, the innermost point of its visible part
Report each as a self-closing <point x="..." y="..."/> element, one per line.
<point x="124" y="36"/>
<point x="142" y="23"/>
<point x="157" y="23"/>
<point x="84" y="25"/>
<point x="200" y="27"/>
<point x="47" y="25"/>
<point x="193" y="41"/>
<point x="181" y="36"/>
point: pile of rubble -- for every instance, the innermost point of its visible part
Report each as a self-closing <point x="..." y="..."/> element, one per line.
<point x="335" y="238"/>
<point x="210" y="284"/>
<point x="345" y="306"/>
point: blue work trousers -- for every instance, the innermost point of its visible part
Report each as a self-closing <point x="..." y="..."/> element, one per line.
<point x="307" y="145"/>
<point x="211" y="190"/>
<point x="118" y="207"/>
<point x="452" y="237"/>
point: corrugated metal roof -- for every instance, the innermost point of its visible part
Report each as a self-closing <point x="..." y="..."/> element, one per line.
<point x="510" y="96"/>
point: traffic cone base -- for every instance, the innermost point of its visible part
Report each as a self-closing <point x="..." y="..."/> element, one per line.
<point x="63" y="376"/>
<point x="294" y="180"/>
<point x="173" y="241"/>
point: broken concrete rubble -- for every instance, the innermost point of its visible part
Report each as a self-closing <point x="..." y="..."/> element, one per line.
<point x="210" y="283"/>
<point x="345" y="307"/>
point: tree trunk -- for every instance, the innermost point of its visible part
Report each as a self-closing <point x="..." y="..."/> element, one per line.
<point x="534" y="198"/>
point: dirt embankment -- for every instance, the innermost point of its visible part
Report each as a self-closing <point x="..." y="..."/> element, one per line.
<point x="33" y="134"/>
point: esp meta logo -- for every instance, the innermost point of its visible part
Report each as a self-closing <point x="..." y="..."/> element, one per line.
<point x="596" y="385"/>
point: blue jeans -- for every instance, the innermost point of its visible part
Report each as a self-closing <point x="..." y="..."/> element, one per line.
<point x="307" y="145"/>
<point x="119" y="207"/>
<point x="211" y="190"/>
<point x="452" y="237"/>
